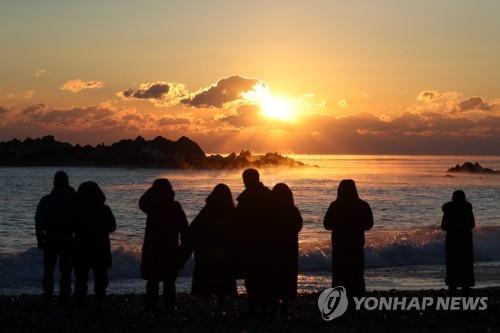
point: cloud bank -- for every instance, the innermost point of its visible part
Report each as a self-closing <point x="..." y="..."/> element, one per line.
<point x="159" y="93"/>
<point x="223" y="91"/>
<point x="435" y="123"/>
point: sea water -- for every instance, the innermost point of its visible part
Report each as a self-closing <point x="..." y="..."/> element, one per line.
<point x="404" y="250"/>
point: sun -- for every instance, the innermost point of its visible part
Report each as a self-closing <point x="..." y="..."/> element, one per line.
<point x="274" y="107"/>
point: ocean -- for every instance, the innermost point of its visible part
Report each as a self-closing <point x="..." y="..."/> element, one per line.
<point x="404" y="250"/>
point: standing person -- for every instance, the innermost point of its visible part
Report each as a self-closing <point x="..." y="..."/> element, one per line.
<point x="54" y="223"/>
<point x="288" y="222"/>
<point x="161" y="252"/>
<point x="212" y="235"/>
<point x="348" y="218"/>
<point x="92" y="244"/>
<point x="253" y="217"/>
<point x="458" y="222"/>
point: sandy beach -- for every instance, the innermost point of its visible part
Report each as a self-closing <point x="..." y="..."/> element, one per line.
<point x="123" y="313"/>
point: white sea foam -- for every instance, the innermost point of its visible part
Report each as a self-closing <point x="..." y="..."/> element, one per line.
<point x="25" y="268"/>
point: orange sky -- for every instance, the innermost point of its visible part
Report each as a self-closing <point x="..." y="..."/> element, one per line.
<point x="305" y="77"/>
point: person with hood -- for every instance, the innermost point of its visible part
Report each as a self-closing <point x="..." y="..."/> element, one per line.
<point x="212" y="236"/>
<point x="95" y="221"/>
<point x="162" y="254"/>
<point x="288" y="223"/>
<point x="458" y="222"/>
<point x="253" y="218"/>
<point x="54" y="224"/>
<point x="348" y="217"/>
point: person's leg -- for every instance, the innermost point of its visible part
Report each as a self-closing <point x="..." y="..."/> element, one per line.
<point x="252" y="297"/>
<point x="466" y="291"/>
<point x="65" y="265"/>
<point x="221" y="302"/>
<point x="452" y="289"/>
<point x="284" y="307"/>
<point x="169" y="294"/>
<point x="49" y="264"/>
<point x="152" y="291"/>
<point x="82" y="277"/>
<point x="100" y="284"/>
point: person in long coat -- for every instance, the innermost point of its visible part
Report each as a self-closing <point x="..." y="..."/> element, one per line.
<point x="458" y="222"/>
<point x="348" y="217"/>
<point x="212" y="237"/>
<point x="54" y="226"/>
<point x="288" y="223"/>
<point x="253" y="217"/>
<point x="162" y="255"/>
<point x="94" y="223"/>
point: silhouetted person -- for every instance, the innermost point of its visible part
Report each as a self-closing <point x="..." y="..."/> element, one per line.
<point x="287" y="223"/>
<point x="458" y="221"/>
<point x="253" y="218"/>
<point x="162" y="255"/>
<point x="212" y="237"/>
<point x="54" y="223"/>
<point x="95" y="222"/>
<point x="348" y="217"/>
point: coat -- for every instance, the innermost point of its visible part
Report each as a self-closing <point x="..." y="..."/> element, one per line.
<point x="92" y="243"/>
<point x="212" y="238"/>
<point x="458" y="220"/>
<point x="55" y="216"/>
<point x="348" y="220"/>
<point x="162" y="255"/>
<point x="287" y="224"/>
<point x="253" y="218"/>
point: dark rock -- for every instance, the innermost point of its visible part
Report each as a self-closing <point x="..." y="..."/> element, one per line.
<point x="469" y="167"/>
<point x="157" y="153"/>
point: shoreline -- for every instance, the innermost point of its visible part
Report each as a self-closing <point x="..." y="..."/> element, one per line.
<point x="123" y="313"/>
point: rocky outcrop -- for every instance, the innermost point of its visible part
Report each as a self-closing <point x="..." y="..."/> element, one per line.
<point x="157" y="153"/>
<point x="469" y="167"/>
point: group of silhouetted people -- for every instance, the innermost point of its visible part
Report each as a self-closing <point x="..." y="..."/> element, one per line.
<point x="75" y="227"/>
<point x="255" y="240"/>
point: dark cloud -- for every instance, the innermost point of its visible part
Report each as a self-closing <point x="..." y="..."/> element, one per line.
<point x="40" y="114"/>
<point x="246" y="115"/>
<point x="410" y="133"/>
<point x="224" y="91"/>
<point x="475" y="103"/>
<point x="150" y="90"/>
<point x="450" y="102"/>
<point x="439" y="123"/>
<point x="429" y="95"/>
<point x="3" y="110"/>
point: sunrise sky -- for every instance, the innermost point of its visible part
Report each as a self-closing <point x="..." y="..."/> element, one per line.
<point x="371" y="77"/>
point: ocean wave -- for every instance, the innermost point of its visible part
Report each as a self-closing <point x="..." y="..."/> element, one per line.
<point x="423" y="246"/>
<point x="388" y="249"/>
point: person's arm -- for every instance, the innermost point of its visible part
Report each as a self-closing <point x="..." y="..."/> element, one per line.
<point x="190" y="239"/>
<point x="195" y="229"/>
<point x="472" y="220"/>
<point x="110" y="220"/>
<point x="186" y="244"/>
<point x="40" y="217"/>
<point x="298" y="220"/>
<point x="368" y="217"/>
<point x="444" y="220"/>
<point x="329" y="220"/>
